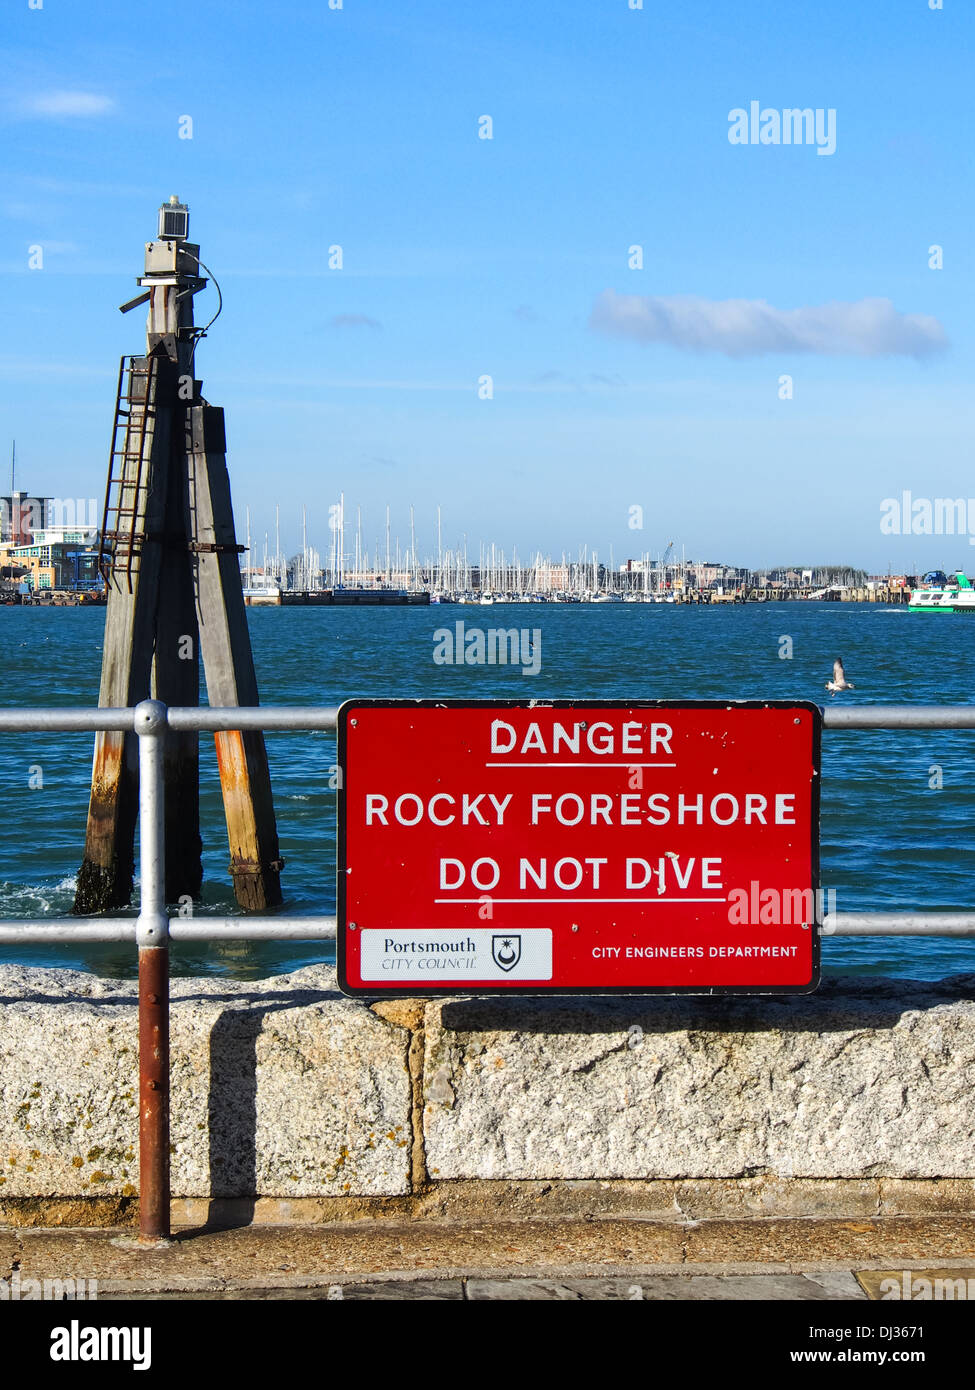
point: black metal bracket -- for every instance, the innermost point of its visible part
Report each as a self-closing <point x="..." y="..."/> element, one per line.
<point x="174" y="541"/>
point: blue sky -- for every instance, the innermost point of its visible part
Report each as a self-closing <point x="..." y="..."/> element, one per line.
<point x="464" y="257"/>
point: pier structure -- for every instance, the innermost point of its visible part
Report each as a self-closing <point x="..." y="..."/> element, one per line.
<point x="169" y="557"/>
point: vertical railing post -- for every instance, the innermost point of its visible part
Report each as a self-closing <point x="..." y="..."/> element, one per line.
<point x="152" y="935"/>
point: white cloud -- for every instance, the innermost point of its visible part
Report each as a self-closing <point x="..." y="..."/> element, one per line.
<point x="748" y="327"/>
<point x="69" y="104"/>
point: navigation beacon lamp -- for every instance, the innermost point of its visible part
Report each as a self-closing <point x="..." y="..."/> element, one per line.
<point x="174" y="221"/>
<point x="169" y="556"/>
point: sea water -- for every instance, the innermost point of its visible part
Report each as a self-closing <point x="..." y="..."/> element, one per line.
<point x="898" y="807"/>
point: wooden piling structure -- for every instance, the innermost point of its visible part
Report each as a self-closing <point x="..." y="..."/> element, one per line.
<point x="174" y="597"/>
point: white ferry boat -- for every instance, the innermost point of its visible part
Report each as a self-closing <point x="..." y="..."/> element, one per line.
<point x="936" y="593"/>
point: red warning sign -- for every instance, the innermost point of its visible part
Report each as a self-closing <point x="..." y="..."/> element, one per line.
<point x="578" y="847"/>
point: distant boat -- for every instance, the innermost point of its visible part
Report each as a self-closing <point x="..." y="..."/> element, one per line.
<point x="607" y="598"/>
<point x="259" y="595"/>
<point x="936" y="593"/>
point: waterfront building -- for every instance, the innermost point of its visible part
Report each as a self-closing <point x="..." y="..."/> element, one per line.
<point x="55" y="557"/>
<point x="21" y="515"/>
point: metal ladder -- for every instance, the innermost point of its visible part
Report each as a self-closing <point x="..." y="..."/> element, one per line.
<point x="121" y="536"/>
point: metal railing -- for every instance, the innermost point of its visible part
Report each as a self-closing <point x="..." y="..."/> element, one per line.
<point x="153" y="929"/>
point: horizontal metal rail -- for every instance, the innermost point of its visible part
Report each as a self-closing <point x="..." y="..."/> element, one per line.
<point x="63" y="933"/>
<point x="180" y="929"/>
<point x="185" y="719"/>
<point x="50" y="721"/>
<point x="181" y="719"/>
<point x="298" y="718"/>
<point x="899" y="924"/>
<point x="899" y="717"/>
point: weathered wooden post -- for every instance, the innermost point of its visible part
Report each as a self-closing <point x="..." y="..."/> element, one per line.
<point x="169" y="556"/>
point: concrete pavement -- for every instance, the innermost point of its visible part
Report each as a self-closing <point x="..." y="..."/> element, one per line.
<point x="557" y="1259"/>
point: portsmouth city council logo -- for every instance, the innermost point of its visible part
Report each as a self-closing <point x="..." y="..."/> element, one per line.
<point x="506" y="951"/>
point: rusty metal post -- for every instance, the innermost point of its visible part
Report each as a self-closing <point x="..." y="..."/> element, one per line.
<point x="152" y="935"/>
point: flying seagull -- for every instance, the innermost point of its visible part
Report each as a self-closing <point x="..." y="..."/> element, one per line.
<point x="839" y="681"/>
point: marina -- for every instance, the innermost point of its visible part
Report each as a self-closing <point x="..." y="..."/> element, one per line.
<point x="451" y="577"/>
<point x="37" y="558"/>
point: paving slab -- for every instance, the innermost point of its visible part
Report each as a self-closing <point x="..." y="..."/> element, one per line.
<point x="842" y="1283"/>
<point x="294" y="1257"/>
<point x="672" y="1287"/>
<point x="667" y="1288"/>
<point x="366" y="1248"/>
<point x="850" y="1242"/>
<point x="390" y="1290"/>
